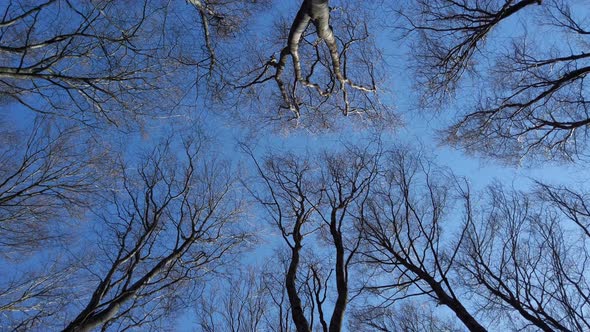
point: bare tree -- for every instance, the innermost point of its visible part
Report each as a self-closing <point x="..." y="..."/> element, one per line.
<point x="347" y="178"/>
<point x="354" y="223"/>
<point x="533" y="98"/>
<point x="239" y="304"/>
<point x="169" y="224"/>
<point x="510" y="259"/>
<point x="165" y="225"/>
<point x="31" y="299"/>
<point x="404" y="222"/>
<point x="109" y="62"/>
<point x="332" y="190"/>
<point x="290" y="210"/>
<point x="278" y="314"/>
<point x="46" y="176"/>
<point x="68" y="59"/>
<point x="335" y="68"/>
<point x="451" y="33"/>
<point x="527" y="258"/>
<point x="407" y="317"/>
<point x="220" y="20"/>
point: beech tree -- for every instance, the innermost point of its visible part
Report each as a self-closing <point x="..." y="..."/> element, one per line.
<point x="510" y="259"/>
<point x="532" y="99"/>
<point x="374" y="237"/>
<point x="70" y="60"/>
<point x="334" y="69"/>
<point x="168" y="223"/>
<point x="240" y="305"/>
<point x="526" y="258"/>
<point x="38" y="297"/>
<point x="46" y="176"/>
<point x="171" y="224"/>
<point x="220" y="20"/>
<point x="412" y="232"/>
<point x="404" y="224"/>
<point x="303" y="197"/>
<point x="108" y="62"/>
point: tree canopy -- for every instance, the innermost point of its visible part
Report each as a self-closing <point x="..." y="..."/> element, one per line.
<point x="246" y="165"/>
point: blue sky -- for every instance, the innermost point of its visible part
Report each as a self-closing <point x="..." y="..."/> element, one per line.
<point x="420" y="131"/>
<point x="420" y="128"/>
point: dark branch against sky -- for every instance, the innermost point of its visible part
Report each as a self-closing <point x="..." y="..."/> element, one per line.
<point x="249" y="165"/>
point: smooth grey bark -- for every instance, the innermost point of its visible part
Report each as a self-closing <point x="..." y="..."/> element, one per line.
<point x="316" y="12"/>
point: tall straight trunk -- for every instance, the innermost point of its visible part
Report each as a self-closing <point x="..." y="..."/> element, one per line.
<point x="299" y="319"/>
<point x="341" y="275"/>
